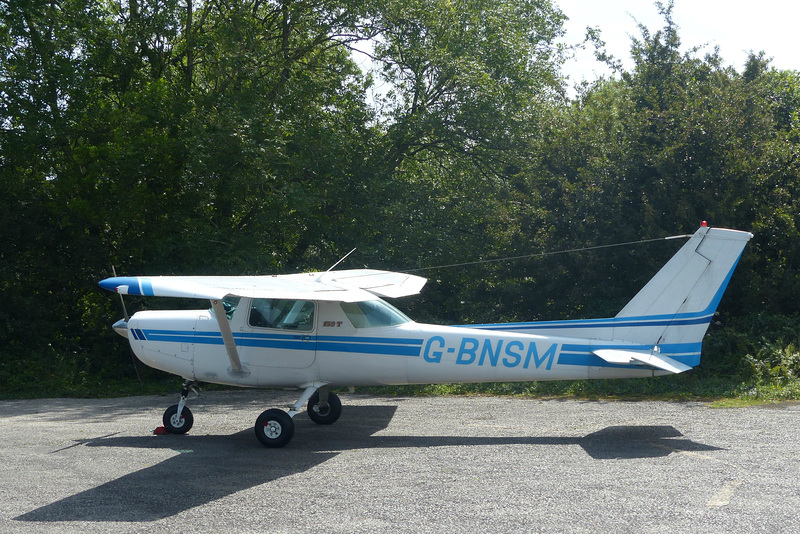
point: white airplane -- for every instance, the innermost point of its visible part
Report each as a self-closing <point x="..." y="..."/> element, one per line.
<point x="325" y="330"/>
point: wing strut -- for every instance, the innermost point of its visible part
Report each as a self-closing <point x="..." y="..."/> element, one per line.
<point x="227" y="337"/>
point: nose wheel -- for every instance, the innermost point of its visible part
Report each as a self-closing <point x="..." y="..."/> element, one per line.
<point x="178" y="418"/>
<point x="177" y="423"/>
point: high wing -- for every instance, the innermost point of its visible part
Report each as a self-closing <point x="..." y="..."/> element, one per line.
<point x="347" y="286"/>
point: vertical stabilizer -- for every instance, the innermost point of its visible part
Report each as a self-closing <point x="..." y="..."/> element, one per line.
<point x="678" y="303"/>
<point x="663" y="326"/>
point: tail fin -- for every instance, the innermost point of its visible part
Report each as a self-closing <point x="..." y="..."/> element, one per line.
<point x="663" y="326"/>
<point x="677" y="304"/>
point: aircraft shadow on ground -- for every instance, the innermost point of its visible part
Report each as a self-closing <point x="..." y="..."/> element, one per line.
<point x="208" y="468"/>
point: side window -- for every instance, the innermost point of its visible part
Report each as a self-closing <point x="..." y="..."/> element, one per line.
<point x="373" y="313"/>
<point x="282" y="314"/>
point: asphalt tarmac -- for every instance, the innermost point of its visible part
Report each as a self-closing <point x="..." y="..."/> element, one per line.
<point x="434" y="465"/>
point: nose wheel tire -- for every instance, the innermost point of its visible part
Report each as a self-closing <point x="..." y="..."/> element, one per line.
<point x="175" y="424"/>
<point x="274" y="428"/>
<point x="324" y="415"/>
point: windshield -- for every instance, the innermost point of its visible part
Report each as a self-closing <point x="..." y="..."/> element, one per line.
<point x="373" y="313"/>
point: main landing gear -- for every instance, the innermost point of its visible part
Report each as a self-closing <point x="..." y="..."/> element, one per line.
<point x="274" y="427"/>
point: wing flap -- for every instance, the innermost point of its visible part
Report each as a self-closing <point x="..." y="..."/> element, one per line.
<point x="380" y="283"/>
<point x="624" y="357"/>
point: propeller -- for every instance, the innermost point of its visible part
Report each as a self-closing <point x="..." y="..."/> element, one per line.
<point x="127" y="317"/>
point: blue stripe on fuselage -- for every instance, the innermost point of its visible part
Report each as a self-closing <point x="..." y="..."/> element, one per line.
<point x="299" y="341"/>
<point x="370" y="345"/>
<point x="583" y="355"/>
<point x="366" y="348"/>
<point x="569" y="354"/>
<point x="667" y="349"/>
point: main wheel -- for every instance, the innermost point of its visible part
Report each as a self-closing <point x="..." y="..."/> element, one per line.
<point x="324" y="416"/>
<point x="176" y="425"/>
<point x="274" y="428"/>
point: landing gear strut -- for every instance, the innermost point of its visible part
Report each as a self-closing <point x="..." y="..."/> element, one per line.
<point x="178" y="418"/>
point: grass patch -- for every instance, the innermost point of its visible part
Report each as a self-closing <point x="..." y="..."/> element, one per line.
<point x="736" y="403"/>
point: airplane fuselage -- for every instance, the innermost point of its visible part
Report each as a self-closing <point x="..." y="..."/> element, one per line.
<point x="331" y="349"/>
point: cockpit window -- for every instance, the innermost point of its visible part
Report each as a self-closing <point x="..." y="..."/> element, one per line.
<point x="373" y="313"/>
<point x="283" y="314"/>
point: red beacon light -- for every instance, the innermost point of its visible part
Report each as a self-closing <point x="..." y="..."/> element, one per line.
<point x="704" y="224"/>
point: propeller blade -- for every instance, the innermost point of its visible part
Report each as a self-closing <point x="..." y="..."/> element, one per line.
<point x="134" y="359"/>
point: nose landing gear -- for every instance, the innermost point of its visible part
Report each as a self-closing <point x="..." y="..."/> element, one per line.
<point x="178" y="418"/>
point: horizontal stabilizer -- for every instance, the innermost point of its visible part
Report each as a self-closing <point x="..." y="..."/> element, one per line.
<point x="623" y="357"/>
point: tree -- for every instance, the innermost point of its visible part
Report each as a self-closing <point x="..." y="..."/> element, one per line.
<point x="677" y="140"/>
<point x="468" y="85"/>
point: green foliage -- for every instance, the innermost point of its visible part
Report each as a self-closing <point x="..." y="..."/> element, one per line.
<point x="756" y="348"/>
<point x="775" y="362"/>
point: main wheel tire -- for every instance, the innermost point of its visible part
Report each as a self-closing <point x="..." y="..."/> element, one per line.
<point x="326" y="416"/>
<point x="175" y="425"/>
<point x="274" y="428"/>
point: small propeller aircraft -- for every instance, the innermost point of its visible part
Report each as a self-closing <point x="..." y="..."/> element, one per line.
<point x="324" y="330"/>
